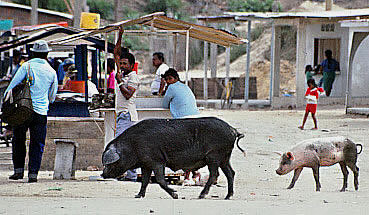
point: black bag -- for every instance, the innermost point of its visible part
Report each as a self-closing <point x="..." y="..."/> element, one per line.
<point x="18" y="109"/>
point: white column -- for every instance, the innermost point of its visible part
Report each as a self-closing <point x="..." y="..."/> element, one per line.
<point x="300" y="63"/>
<point x="247" y="73"/>
<point x="275" y="61"/>
<point x="349" y="71"/>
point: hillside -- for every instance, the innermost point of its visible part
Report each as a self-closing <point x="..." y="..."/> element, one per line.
<point x="213" y="7"/>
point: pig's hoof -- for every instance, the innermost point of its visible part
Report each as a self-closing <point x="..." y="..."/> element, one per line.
<point x="174" y="195"/>
<point x="343" y="190"/>
<point x="202" y="196"/>
<point x="139" y="196"/>
<point x="227" y="197"/>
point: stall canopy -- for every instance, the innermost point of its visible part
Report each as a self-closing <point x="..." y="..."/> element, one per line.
<point x="160" y="21"/>
<point x="49" y="33"/>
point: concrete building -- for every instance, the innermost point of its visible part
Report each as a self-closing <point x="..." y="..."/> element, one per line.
<point x="316" y="32"/>
<point x="21" y="14"/>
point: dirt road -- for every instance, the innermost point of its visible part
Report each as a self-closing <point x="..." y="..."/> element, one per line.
<point x="258" y="189"/>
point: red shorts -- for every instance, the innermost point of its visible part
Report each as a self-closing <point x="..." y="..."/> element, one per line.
<point x="311" y="108"/>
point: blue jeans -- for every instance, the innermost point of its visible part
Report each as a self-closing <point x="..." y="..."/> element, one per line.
<point x="37" y="126"/>
<point x="123" y="123"/>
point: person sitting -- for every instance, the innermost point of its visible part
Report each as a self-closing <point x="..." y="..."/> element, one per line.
<point x="182" y="103"/>
<point x="158" y="84"/>
<point x="178" y="97"/>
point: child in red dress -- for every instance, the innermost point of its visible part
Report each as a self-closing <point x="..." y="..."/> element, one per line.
<point x="311" y="95"/>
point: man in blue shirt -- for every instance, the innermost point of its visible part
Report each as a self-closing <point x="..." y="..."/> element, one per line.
<point x="44" y="85"/>
<point x="179" y="97"/>
<point x="329" y="66"/>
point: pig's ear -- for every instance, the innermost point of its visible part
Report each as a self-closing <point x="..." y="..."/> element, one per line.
<point x="110" y="156"/>
<point x="290" y="156"/>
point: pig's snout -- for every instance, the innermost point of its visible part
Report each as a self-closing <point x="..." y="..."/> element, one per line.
<point x="278" y="172"/>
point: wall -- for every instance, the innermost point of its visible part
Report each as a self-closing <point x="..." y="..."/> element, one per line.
<point x="215" y="89"/>
<point x="314" y="32"/>
<point x="360" y="65"/>
<point x="22" y="16"/>
<point x="85" y="131"/>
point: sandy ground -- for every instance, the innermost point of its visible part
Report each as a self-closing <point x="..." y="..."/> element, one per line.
<point x="258" y="189"/>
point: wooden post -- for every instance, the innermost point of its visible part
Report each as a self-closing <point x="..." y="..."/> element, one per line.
<point x="106" y="64"/>
<point x="174" y="51"/>
<point x="117" y="6"/>
<point x="187" y="54"/>
<point x="228" y="58"/>
<point x="328" y="5"/>
<point x="34" y="13"/>
<point x="77" y="13"/>
<point x="206" y="49"/>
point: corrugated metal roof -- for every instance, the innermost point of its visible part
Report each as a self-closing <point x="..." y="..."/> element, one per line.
<point x="162" y="22"/>
<point x="333" y="14"/>
<point x="339" y="14"/>
<point x="7" y="4"/>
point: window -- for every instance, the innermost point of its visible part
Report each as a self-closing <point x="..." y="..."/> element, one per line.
<point x="320" y="45"/>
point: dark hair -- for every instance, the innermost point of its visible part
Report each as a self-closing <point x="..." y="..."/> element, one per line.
<point x="328" y="54"/>
<point x="129" y="56"/>
<point x="171" y="72"/>
<point x="311" y="81"/>
<point x="16" y="53"/>
<point x="308" y="68"/>
<point x="111" y="63"/>
<point x="160" y="55"/>
<point x="42" y="55"/>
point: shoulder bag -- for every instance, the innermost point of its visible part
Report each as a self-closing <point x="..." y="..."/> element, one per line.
<point x="17" y="108"/>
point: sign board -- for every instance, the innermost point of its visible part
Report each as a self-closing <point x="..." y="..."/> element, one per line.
<point x="6" y="24"/>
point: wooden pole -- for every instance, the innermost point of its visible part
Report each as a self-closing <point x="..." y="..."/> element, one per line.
<point x="106" y="64"/>
<point x="228" y="58"/>
<point x="328" y="5"/>
<point x="77" y="13"/>
<point x="34" y="13"/>
<point x="187" y="54"/>
<point x="175" y="51"/>
<point x="68" y="6"/>
<point x="206" y="49"/>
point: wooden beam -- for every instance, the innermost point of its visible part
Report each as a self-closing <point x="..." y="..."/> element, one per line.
<point x="68" y="6"/>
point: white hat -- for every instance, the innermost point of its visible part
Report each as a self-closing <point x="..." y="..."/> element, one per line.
<point x="40" y="46"/>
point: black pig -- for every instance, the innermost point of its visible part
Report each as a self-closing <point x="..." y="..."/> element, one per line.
<point x="187" y="144"/>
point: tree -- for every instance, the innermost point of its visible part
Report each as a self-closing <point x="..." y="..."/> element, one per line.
<point x="253" y="5"/>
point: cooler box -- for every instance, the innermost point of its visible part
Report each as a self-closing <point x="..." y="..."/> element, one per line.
<point x="90" y="20"/>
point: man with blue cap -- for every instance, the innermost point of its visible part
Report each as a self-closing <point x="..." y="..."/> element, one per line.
<point x="63" y="68"/>
<point x="43" y="86"/>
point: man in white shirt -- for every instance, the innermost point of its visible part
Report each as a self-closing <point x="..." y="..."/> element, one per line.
<point x="158" y="84"/>
<point x="126" y="86"/>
